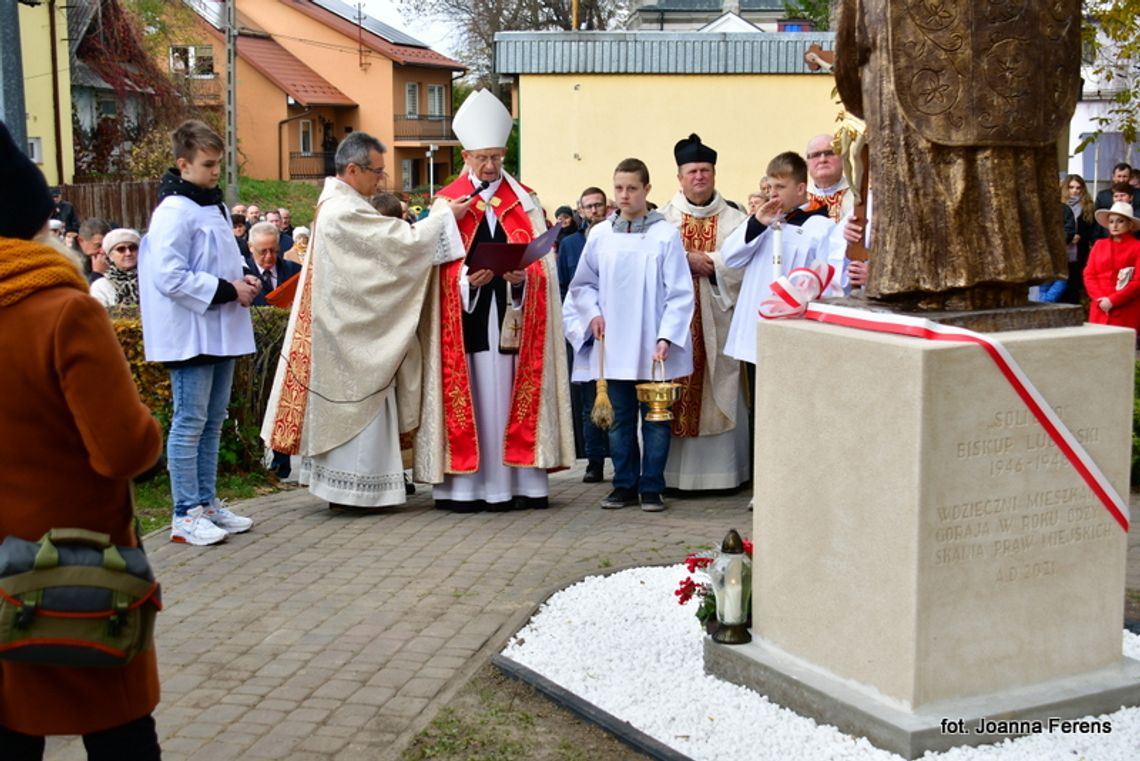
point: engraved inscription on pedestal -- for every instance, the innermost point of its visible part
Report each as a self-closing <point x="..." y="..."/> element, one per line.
<point x="1010" y="530"/>
<point x="917" y="509"/>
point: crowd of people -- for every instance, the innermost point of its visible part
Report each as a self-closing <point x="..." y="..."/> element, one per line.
<point x="432" y="340"/>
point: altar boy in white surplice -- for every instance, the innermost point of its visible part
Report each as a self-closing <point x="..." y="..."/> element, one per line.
<point x="785" y="233"/>
<point x="633" y="290"/>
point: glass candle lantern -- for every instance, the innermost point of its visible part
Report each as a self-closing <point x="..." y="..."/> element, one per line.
<point x="731" y="576"/>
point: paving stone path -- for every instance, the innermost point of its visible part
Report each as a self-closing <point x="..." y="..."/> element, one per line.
<point x="321" y="636"/>
<point x="332" y="636"/>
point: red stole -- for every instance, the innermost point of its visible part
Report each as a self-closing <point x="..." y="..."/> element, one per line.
<point x="521" y="436"/>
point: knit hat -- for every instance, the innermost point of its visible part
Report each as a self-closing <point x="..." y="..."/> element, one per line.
<point x="300" y="231"/>
<point x="117" y="236"/>
<point x="25" y="203"/>
<point x="691" y="150"/>
<point x="564" y="211"/>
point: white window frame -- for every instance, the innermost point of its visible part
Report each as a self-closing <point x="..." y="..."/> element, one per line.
<point x="306" y="131"/>
<point x="412" y="100"/>
<point x="36" y="149"/>
<point x="436" y="97"/>
<point x="406" y="167"/>
<point x="195" y="56"/>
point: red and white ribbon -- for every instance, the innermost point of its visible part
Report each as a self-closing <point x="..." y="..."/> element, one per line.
<point x="794" y="291"/>
<point x="1060" y="434"/>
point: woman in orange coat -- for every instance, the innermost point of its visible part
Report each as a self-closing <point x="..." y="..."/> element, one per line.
<point x="1112" y="275"/>
<point x="73" y="433"/>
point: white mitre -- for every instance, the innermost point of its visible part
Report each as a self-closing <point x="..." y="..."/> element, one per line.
<point x="482" y="122"/>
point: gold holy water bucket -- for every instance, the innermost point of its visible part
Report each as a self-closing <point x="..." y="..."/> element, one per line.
<point x="659" y="395"/>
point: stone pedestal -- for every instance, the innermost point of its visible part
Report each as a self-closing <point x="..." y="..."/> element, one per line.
<point x="920" y="542"/>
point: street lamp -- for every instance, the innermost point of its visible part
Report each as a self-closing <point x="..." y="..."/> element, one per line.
<point x="432" y="148"/>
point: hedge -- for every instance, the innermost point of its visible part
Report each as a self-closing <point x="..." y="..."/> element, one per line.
<point x="241" y="449"/>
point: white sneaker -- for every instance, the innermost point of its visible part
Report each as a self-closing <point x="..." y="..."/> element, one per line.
<point x="226" y="519"/>
<point x="195" y="528"/>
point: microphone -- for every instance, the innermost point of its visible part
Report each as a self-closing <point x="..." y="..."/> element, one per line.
<point x="483" y="186"/>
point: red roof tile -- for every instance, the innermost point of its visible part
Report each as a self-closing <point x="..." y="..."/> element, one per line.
<point x="285" y="70"/>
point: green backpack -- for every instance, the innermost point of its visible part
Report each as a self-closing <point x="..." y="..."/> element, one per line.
<point x="75" y="599"/>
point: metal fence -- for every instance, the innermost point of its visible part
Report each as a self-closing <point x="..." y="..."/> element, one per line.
<point x="311" y="166"/>
<point x="424" y="127"/>
<point x="127" y="203"/>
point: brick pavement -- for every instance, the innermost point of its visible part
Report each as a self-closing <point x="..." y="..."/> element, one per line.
<point x="322" y="636"/>
<point x="331" y="636"/>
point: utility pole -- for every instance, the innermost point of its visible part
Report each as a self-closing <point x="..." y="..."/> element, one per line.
<point x="231" y="104"/>
<point x="12" y="109"/>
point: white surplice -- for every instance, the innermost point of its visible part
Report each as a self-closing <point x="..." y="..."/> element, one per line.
<point x="640" y="283"/>
<point x="801" y="246"/>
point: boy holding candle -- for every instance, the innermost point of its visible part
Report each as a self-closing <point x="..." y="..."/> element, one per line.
<point x="783" y="234"/>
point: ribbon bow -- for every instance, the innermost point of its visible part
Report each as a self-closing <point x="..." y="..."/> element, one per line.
<point x="793" y="292"/>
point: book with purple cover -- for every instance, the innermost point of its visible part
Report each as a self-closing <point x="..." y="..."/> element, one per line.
<point x="508" y="257"/>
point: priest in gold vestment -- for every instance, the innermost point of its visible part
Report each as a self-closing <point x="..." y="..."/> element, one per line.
<point x="710" y="444"/>
<point x="349" y="378"/>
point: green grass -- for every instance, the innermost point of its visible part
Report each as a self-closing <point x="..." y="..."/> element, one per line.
<point x="300" y="198"/>
<point x="153" y="504"/>
<point x="452" y="736"/>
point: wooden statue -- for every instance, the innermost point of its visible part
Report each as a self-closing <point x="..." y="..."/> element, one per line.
<point x="963" y="101"/>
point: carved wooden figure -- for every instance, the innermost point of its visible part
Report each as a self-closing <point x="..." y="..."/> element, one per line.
<point x="964" y="101"/>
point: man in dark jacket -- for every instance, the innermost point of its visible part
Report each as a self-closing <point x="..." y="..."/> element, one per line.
<point x="64" y="211"/>
<point x="264" y="262"/>
<point x="1122" y="172"/>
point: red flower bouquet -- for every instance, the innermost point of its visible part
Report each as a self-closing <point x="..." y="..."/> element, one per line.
<point x="697" y="562"/>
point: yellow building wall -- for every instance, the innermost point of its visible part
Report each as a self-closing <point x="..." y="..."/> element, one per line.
<point x="35" y="48"/>
<point x="263" y="143"/>
<point x="336" y="58"/>
<point x="575" y="128"/>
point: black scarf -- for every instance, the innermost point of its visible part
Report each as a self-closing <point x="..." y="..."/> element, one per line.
<point x="172" y="184"/>
<point x="126" y="284"/>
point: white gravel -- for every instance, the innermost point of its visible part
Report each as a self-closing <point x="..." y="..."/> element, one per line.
<point x="623" y="643"/>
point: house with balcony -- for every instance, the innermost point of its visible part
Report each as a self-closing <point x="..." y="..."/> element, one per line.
<point x="310" y="72"/>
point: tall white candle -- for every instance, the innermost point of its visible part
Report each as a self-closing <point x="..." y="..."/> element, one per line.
<point x="778" y="248"/>
<point x="733" y="595"/>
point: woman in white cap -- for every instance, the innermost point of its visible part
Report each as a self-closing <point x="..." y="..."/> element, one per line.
<point x="120" y="283"/>
<point x="1112" y="276"/>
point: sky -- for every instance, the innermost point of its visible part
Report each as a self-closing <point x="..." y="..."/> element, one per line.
<point x="436" y="33"/>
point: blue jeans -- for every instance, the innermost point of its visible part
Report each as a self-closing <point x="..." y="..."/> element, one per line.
<point x="644" y="473"/>
<point x="597" y="442"/>
<point x="201" y="394"/>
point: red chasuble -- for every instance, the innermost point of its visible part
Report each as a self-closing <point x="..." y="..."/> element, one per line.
<point x="521" y="437"/>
